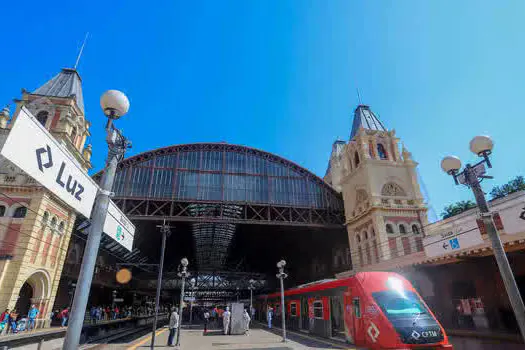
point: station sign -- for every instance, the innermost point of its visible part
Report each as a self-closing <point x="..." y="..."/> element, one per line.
<point x="513" y="218"/>
<point x="119" y="227"/>
<point x="34" y="150"/>
<point x="451" y="239"/>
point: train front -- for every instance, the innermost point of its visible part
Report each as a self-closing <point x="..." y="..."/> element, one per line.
<point x="407" y="322"/>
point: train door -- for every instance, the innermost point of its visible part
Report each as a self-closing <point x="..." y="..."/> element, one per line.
<point x="305" y="325"/>
<point x="359" y="332"/>
<point x="336" y="315"/>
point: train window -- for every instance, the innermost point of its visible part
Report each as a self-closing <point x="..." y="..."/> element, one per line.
<point x="396" y="305"/>
<point x="357" y="307"/>
<point x="318" y="309"/>
<point x="293" y="309"/>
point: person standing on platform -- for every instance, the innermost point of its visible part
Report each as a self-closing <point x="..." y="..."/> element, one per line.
<point x="32" y="314"/>
<point x="173" y="325"/>
<point x="206" y="319"/>
<point x="270" y="316"/>
<point x="4" y="321"/>
<point x="226" y="320"/>
<point x="13" y="315"/>
<point x="246" y="319"/>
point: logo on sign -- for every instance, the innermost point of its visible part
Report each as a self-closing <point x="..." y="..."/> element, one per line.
<point x="120" y="234"/>
<point x="425" y="334"/>
<point x="454" y="243"/>
<point x="522" y="215"/>
<point x="373" y="332"/>
<point x="44" y="159"/>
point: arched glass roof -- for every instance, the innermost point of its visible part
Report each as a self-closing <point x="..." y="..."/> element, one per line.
<point x="221" y="177"/>
<point x="222" y="172"/>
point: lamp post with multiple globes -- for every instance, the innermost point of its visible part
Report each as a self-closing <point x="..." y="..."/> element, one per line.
<point x="471" y="176"/>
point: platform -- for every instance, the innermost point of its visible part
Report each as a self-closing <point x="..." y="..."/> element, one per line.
<point x="258" y="339"/>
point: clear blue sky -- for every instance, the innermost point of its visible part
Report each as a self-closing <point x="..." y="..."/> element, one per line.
<point x="282" y="75"/>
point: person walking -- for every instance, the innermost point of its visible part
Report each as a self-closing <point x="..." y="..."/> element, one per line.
<point x="173" y="325"/>
<point x="246" y="322"/>
<point x="226" y="315"/>
<point x="31" y="315"/>
<point x="64" y="315"/>
<point x="269" y="317"/>
<point x="206" y="320"/>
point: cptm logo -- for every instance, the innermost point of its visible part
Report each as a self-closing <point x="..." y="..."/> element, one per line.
<point x="120" y="234"/>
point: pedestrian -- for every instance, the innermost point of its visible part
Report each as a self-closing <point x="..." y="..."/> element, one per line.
<point x="31" y="315"/>
<point x="206" y="319"/>
<point x="64" y="315"/>
<point x="173" y="325"/>
<point x="4" y="321"/>
<point x="270" y="316"/>
<point x="93" y="314"/>
<point x="13" y="315"/>
<point x="246" y="321"/>
<point x="226" y="320"/>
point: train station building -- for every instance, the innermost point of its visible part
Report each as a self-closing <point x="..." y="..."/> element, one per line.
<point x="234" y="211"/>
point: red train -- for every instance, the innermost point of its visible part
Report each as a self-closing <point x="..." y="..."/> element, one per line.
<point x="377" y="310"/>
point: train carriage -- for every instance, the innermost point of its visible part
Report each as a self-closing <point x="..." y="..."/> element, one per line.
<point x="377" y="310"/>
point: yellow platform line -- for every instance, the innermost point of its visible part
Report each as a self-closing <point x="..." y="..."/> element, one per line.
<point x="341" y="346"/>
<point x="145" y="340"/>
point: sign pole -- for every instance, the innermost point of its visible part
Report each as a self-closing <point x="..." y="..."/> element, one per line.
<point x="117" y="145"/>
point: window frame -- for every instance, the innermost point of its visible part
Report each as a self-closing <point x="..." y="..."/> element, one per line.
<point x="416" y="231"/>
<point x="293" y="305"/>
<point x="356" y="307"/>
<point x="402" y="229"/>
<point x="2" y="213"/>
<point x="316" y="308"/>
<point x="389" y="229"/>
<point x="20" y="216"/>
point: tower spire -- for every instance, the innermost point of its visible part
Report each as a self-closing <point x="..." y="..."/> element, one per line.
<point x="81" y="50"/>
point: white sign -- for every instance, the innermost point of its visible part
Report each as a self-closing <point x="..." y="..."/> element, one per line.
<point x="33" y="149"/>
<point x="513" y="218"/>
<point x="451" y="240"/>
<point x="119" y="227"/>
<point x="118" y="300"/>
<point x="190" y="299"/>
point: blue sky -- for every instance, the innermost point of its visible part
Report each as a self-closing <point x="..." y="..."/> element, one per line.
<point x="282" y="75"/>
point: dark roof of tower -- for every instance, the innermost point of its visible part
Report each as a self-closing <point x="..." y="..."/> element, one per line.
<point x="364" y="117"/>
<point x="65" y="84"/>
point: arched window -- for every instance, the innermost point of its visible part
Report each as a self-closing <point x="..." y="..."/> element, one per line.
<point x="373" y="233"/>
<point x="53" y="222"/>
<point x="73" y="134"/>
<point x="358" y="238"/>
<point x="45" y="218"/>
<point x="365" y="234"/>
<point x="402" y="229"/>
<point x="381" y="151"/>
<point x="61" y="226"/>
<point x="389" y="228"/>
<point x="2" y="210"/>
<point x="20" y="212"/>
<point x="356" y="159"/>
<point x="415" y="229"/>
<point x="42" y="117"/>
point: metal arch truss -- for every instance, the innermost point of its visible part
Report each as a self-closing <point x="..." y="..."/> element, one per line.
<point x="229" y="213"/>
<point x="214" y="285"/>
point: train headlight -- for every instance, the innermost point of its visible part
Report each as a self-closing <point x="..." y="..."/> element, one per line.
<point x="396" y="284"/>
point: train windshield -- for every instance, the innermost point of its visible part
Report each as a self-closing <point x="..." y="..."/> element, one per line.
<point x="399" y="305"/>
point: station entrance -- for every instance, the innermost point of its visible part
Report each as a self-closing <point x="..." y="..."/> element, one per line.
<point x="234" y="211"/>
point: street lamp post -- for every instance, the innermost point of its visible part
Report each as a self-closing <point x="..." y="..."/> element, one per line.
<point x="182" y="274"/>
<point x="471" y="176"/>
<point x="165" y="230"/>
<point x="73" y="286"/>
<point x="192" y="286"/>
<point x="114" y="104"/>
<point x="251" y="287"/>
<point x="114" y="296"/>
<point x="281" y="276"/>
<point x="237" y="292"/>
